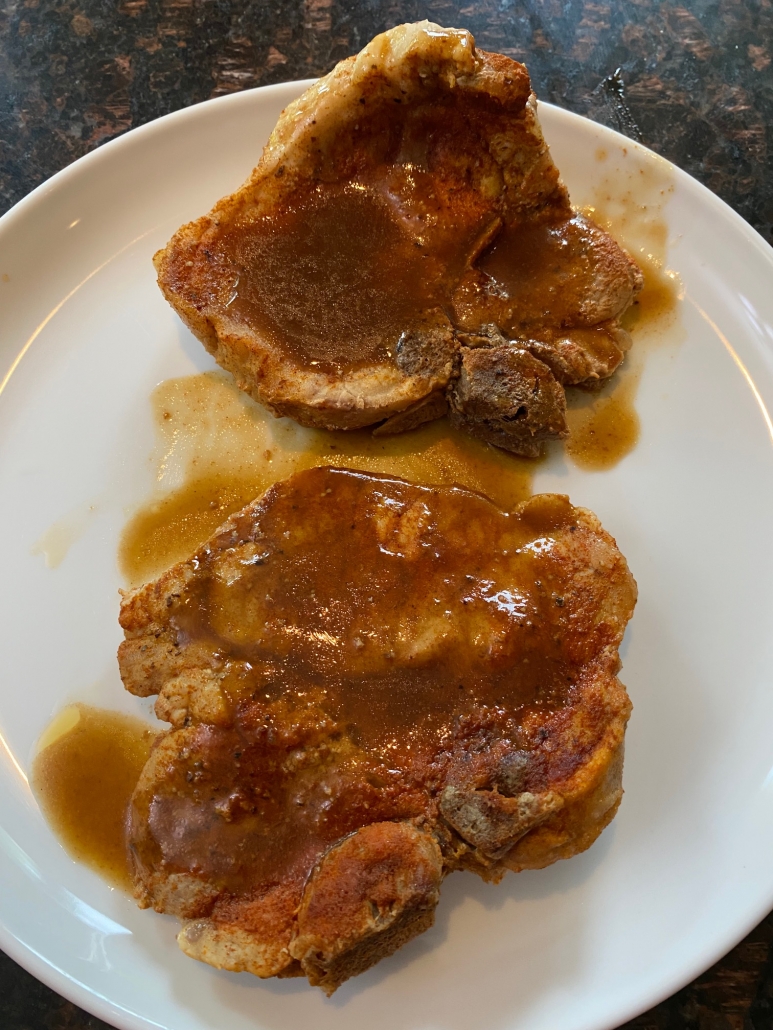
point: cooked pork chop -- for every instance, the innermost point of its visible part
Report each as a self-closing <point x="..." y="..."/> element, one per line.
<point x="370" y="684"/>
<point x="405" y="200"/>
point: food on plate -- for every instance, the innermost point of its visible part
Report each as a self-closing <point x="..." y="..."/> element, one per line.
<point x="370" y="684"/>
<point x="406" y="248"/>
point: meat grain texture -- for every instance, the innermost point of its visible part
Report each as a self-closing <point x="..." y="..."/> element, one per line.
<point x="406" y="217"/>
<point x="370" y="684"/>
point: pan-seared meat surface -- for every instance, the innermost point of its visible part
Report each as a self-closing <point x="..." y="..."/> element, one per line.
<point x="406" y="197"/>
<point x="370" y="684"/>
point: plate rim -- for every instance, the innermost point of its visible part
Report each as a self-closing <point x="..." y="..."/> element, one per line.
<point x="36" y="964"/>
<point x="294" y="87"/>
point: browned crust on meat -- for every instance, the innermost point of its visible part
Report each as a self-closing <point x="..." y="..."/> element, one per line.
<point x="318" y="138"/>
<point x="491" y="163"/>
<point x="506" y="396"/>
<point x="368" y="896"/>
<point x="495" y="809"/>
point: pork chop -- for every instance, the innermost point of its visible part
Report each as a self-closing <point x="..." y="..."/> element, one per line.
<point x="406" y="198"/>
<point x="370" y="684"/>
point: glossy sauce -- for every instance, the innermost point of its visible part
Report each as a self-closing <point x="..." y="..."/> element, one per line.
<point x="218" y="450"/>
<point x="379" y="595"/>
<point x="603" y="426"/>
<point x="629" y="202"/>
<point x="382" y="634"/>
<point x="337" y="275"/>
<point x="542" y="270"/>
<point x="87" y="766"/>
<point x="655" y="309"/>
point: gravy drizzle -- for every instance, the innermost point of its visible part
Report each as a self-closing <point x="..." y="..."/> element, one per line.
<point x="87" y="766"/>
<point x="604" y="425"/>
<point x="218" y="450"/>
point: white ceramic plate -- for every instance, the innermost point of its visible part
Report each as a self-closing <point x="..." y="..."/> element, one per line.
<point x="685" y="870"/>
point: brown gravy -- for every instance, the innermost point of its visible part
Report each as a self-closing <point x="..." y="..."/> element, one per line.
<point x="400" y="585"/>
<point x="337" y="275"/>
<point x="332" y="279"/>
<point x="372" y="630"/>
<point x="169" y="529"/>
<point x="603" y="426"/>
<point x="542" y="270"/>
<point x="83" y="776"/>
<point x="656" y="306"/>
<point x="224" y="450"/>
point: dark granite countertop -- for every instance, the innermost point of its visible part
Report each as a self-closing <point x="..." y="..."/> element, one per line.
<point x="693" y="82"/>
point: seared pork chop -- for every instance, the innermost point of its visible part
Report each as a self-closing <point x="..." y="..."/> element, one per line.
<point x="405" y="200"/>
<point x="371" y="684"/>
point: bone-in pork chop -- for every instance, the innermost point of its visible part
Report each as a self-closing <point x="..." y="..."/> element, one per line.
<point x="371" y="684"/>
<point x="406" y="212"/>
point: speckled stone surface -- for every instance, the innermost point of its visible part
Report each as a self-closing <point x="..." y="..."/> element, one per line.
<point x="693" y="82"/>
<point x="698" y="78"/>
